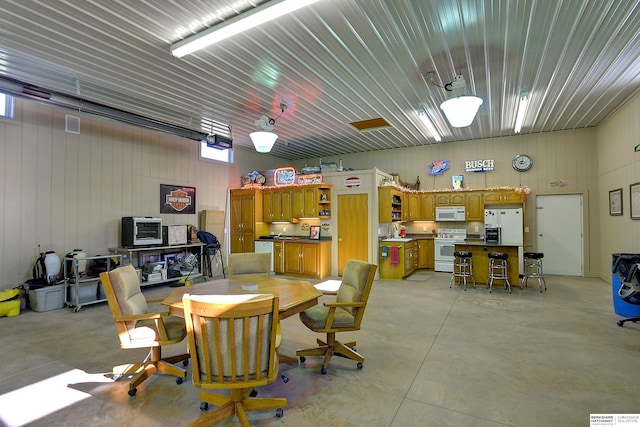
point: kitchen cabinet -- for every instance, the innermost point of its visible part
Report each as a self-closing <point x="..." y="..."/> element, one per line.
<point x="414" y="204"/>
<point x="305" y="259"/>
<point x="311" y="201"/>
<point x="425" y="253"/>
<point x="277" y="205"/>
<point x="407" y="259"/>
<point x="428" y="206"/>
<point x="278" y="258"/>
<point x="410" y="257"/>
<point x="450" y="198"/>
<point x="474" y="206"/>
<point x="390" y="205"/>
<point x="245" y="219"/>
<point x="503" y="197"/>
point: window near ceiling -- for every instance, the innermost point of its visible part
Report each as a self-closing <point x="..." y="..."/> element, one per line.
<point x="213" y="127"/>
<point x="6" y="106"/>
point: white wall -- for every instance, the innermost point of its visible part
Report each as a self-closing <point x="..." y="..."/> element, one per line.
<point x="618" y="167"/>
<point x="63" y="191"/>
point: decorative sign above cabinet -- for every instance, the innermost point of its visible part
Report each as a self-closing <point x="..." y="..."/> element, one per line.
<point x="284" y="176"/>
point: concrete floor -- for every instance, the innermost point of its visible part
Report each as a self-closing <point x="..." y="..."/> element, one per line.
<point x="435" y="356"/>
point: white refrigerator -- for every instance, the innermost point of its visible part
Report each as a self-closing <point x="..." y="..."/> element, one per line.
<point x="510" y="223"/>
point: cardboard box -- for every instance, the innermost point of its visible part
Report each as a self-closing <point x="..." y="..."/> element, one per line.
<point x="47" y="298"/>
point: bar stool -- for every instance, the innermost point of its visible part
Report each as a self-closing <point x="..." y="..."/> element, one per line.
<point x="498" y="269"/>
<point x="463" y="268"/>
<point x="533" y="268"/>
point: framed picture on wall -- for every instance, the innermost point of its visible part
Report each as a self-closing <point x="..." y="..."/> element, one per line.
<point x="314" y="232"/>
<point x="634" y="191"/>
<point x="615" y="202"/>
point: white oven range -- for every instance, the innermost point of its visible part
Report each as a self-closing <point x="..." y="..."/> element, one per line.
<point x="444" y="246"/>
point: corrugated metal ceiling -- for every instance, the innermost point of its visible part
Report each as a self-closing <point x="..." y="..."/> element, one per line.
<point x="335" y="62"/>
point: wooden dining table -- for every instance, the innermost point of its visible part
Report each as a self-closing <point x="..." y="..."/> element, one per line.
<point x="294" y="295"/>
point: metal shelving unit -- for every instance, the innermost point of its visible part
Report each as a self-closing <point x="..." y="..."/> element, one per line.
<point x="135" y="255"/>
<point x="81" y="289"/>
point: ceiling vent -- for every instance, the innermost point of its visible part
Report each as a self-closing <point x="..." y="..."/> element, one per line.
<point x="371" y="124"/>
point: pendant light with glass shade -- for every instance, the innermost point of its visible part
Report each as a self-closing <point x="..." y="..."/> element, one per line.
<point x="263" y="137"/>
<point x="462" y="108"/>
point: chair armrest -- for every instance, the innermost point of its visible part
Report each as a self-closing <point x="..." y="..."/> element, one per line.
<point x="153" y="300"/>
<point x="344" y="304"/>
<point x="142" y="316"/>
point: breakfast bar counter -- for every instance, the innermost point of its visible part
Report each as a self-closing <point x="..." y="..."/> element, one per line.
<point x="479" y="255"/>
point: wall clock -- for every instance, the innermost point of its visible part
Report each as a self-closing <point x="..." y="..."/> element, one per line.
<point x="522" y="162"/>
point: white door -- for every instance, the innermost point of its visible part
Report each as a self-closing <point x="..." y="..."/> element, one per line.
<point x="559" y="223"/>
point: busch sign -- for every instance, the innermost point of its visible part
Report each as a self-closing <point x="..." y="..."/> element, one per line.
<point x="478" y="165"/>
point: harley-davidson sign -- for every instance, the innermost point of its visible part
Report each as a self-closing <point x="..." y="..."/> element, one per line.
<point x="177" y="199"/>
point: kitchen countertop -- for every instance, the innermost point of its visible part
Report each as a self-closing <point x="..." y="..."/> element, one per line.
<point x="482" y="243"/>
<point x="292" y="239"/>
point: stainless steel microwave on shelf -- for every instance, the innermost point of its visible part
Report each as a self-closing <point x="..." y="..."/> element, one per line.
<point x="450" y="213"/>
<point x="141" y="231"/>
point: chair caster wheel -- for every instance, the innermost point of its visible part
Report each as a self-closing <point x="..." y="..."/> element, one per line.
<point x="179" y="380"/>
<point x="323" y="371"/>
<point x="620" y="322"/>
<point x="302" y="359"/>
<point x="133" y="391"/>
<point x="253" y="393"/>
<point x="285" y="379"/>
<point x="185" y="362"/>
<point x="204" y="406"/>
<point x="279" y="412"/>
<point x="359" y="365"/>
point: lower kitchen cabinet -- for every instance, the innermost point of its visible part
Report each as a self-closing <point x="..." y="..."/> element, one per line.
<point x="407" y="261"/>
<point x="425" y="254"/>
<point x="303" y="259"/>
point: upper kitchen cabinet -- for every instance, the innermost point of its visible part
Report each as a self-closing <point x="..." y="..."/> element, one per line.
<point x="311" y="201"/>
<point x="428" y="206"/>
<point x="245" y="219"/>
<point x="277" y="205"/>
<point x="390" y="205"/>
<point x="450" y="198"/>
<point x="503" y="197"/>
<point x="474" y="207"/>
<point x="414" y="203"/>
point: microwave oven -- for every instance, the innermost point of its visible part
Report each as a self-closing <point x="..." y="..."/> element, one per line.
<point x="141" y="231"/>
<point x="450" y="213"/>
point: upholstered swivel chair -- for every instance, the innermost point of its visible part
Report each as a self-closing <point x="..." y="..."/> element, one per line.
<point x="138" y="328"/>
<point x="249" y="265"/>
<point x="345" y="314"/>
<point x="233" y="341"/>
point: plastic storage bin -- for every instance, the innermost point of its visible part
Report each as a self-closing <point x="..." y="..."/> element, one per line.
<point x="86" y="292"/>
<point x="47" y="298"/>
<point x="621" y="265"/>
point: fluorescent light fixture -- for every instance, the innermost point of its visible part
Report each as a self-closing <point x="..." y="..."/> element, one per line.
<point x="422" y="114"/>
<point x="462" y="108"/>
<point x="239" y="23"/>
<point x="263" y="139"/>
<point x="522" y="107"/>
